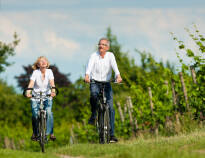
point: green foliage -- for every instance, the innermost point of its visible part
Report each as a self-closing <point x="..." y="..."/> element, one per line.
<point x="196" y="91"/>
<point x="13" y="107"/>
<point x="7" y="50"/>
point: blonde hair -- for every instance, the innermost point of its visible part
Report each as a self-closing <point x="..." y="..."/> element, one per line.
<point x="35" y="65"/>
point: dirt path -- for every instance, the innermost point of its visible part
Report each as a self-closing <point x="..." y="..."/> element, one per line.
<point x="200" y="151"/>
<point x="67" y="156"/>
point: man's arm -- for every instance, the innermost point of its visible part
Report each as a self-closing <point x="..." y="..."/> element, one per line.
<point x="89" y="69"/>
<point x="115" y="68"/>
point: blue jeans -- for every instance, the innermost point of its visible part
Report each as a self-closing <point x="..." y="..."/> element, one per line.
<point x="94" y="93"/>
<point x="35" y="105"/>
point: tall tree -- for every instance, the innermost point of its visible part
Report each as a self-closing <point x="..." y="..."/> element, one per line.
<point x="6" y="50"/>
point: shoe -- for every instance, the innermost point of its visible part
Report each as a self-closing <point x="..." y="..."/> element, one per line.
<point x="91" y="121"/>
<point x="113" y="139"/>
<point x="52" y="137"/>
<point x="33" y="137"/>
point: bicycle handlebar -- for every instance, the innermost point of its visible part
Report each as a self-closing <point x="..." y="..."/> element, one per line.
<point x="104" y="82"/>
<point x="24" y="92"/>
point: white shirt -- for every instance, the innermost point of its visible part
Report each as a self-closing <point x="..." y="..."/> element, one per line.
<point x="39" y="83"/>
<point x="99" y="68"/>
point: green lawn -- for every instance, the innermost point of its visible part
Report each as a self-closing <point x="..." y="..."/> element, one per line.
<point x="182" y="146"/>
<point x="6" y="153"/>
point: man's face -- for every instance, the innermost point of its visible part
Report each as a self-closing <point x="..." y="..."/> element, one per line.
<point x="103" y="46"/>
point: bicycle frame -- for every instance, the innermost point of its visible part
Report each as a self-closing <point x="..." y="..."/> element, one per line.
<point x="42" y="124"/>
<point x="103" y="119"/>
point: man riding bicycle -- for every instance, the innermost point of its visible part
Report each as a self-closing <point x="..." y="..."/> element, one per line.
<point x="41" y="80"/>
<point x="99" y="68"/>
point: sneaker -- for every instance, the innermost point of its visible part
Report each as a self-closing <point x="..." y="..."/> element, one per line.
<point x="113" y="139"/>
<point x="91" y="121"/>
<point x="52" y="137"/>
<point x="33" y="137"/>
<point x="38" y="138"/>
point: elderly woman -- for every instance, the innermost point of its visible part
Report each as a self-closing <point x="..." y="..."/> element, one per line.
<point x="42" y="80"/>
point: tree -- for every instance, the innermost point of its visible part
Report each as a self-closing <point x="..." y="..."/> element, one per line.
<point x="7" y="50"/>
<point x="61" y="80"/>
<point x="196" y="91"/>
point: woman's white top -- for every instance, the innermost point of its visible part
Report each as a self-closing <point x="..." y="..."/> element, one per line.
<point x="99" y="68"/>
<point x="39" y="83"/>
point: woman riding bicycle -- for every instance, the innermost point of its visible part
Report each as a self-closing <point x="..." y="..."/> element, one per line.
<point x="42" y="80"/>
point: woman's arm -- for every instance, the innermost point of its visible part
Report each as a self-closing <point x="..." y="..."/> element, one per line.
<point x="52" y="84"/>
<point x="30" y="85"/>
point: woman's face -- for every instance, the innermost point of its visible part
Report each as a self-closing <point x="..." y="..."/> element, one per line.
<point x="42" y="63"/>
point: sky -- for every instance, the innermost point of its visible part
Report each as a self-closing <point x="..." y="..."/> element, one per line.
<point x="67" y="31"/>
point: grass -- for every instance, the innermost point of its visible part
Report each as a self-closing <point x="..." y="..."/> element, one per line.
<point x="182" y="146"/>
<point x="8" y="153"/>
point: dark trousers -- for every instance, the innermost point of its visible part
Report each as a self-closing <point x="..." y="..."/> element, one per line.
<point x="94" y="93"/>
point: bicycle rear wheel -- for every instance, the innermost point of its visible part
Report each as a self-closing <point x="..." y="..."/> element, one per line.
<point x="42" y="132"/>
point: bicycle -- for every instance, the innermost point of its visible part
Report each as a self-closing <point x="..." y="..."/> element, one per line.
<point x="41" y="115"/>
<point x="103" y="116"/>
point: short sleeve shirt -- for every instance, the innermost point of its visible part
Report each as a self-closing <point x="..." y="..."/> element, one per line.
<point x="39" y="83"/>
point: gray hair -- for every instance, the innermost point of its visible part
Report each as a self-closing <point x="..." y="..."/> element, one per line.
<point x="106" y="39"/>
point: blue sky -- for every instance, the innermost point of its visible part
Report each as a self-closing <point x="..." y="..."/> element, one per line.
<point x="67" y="31"/>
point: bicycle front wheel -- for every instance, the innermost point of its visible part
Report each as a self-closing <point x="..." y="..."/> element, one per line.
<point x="42" y="131"/>
<point x="107" y="126"/>
<point x="101" y="127"/>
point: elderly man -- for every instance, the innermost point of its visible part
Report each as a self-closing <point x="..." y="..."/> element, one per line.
<point x="99" y="68"/>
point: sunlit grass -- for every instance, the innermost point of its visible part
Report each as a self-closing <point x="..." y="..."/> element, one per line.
<point x="7" y="153"/>
<point x="179" y="146"/>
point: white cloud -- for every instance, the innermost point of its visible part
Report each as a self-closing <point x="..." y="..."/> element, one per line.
<point x="60" y="45"/>
<point x="7" y="29"/>
<point x="151" y="27"/>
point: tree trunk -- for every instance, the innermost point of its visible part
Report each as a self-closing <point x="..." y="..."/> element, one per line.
<point x="150" y="99"/>
<point x="120" y="112"/>
<point x="174" y="97"/>
<point x="184" y="90"/>
<point x="193" y="74"/>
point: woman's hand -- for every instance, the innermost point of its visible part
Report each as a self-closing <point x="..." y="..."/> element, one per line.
<point x="53" y="94"/>
<point x="28" y="95"/>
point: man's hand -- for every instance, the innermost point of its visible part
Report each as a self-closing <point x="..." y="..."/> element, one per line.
<point x="118" y="79"/>
<point x="87" y="78"/>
